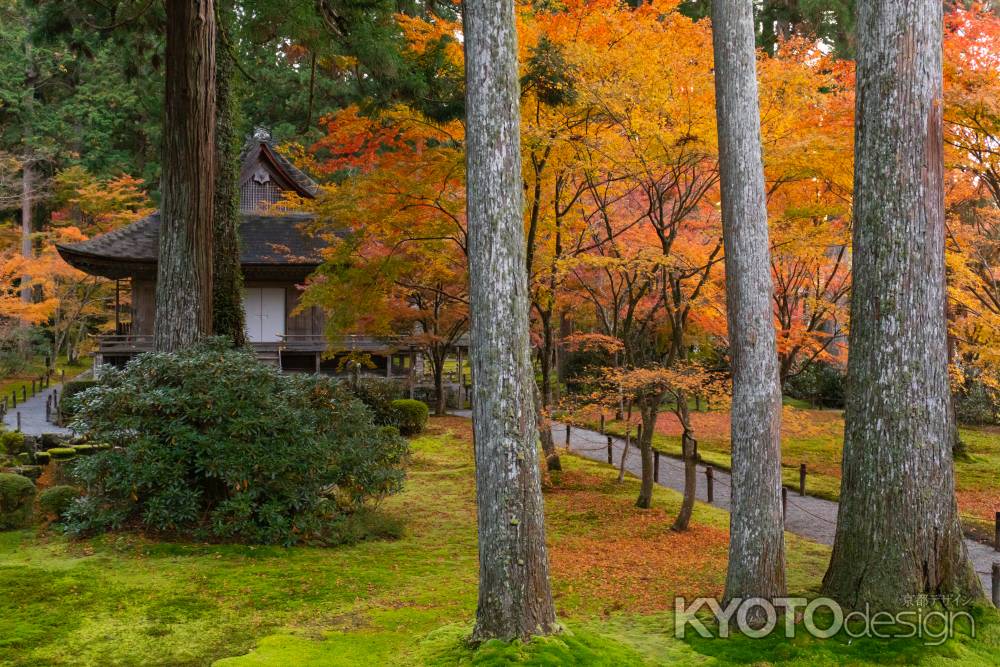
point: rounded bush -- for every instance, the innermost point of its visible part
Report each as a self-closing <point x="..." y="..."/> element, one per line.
<point x="410" y="415"/>
<point x="211" y="442"/>
<point x="62" y="453"/>
<point x="55" y="500"/>
<point x="69" y="401"/>
<point x="11" y="442"/>
<point x="85" y="449"/>
<point x="17" y="495"/>
<point x="42" y="458"/>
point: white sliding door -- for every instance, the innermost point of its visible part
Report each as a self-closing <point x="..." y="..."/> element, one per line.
<point x="265" y="313"/>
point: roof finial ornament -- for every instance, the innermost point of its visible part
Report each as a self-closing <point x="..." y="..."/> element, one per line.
<point x="261" y="133"/>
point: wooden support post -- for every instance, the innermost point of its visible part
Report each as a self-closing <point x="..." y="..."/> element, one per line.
<point x="48" y="409"/>
<point x="996" y="539"/>
<point x="784" y="502"/>
<point x="461" y="380"/>
<point x="567" y="434"/>
<point x="611" y="452"/>
<point x="62" y="376"/>
<point x="24" y="393"/>
<point x="710" y="484"/>
<point x="996" y="585"/>
<point x="13" y="397"/>
<point x="413" y="374"/>
<point x="19" y="421"/>
<point x="656" y="465"/>
<point x="33" y="389"/>
<point x="602" y="422"/>
<point x="802" y="479"/>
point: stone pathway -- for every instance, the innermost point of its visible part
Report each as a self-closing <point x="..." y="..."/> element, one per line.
<point x="808" y="516"/>
<point x="33" y="415"/>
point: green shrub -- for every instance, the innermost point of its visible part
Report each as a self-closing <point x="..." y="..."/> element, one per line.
<point x="62" y="453"/>
<point x="410" y="415"/>
<point x="17" y="495"/>
<point x="55" y="500"/>
<point x="11" y="442"/>
<point x="85" y="450"/>
<point x="212" y="442"/>
<point x="821" y="384"/>
<point x="378" y="395"/>
<point x="42" y="458"/>
<point x="69" y="399"/>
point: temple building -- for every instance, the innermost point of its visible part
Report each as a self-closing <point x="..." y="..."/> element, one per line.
<point x="276" y="255"/>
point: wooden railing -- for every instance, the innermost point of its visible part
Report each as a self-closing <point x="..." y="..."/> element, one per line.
<point x="128" y="344"/>
<point x="124" y="344"/>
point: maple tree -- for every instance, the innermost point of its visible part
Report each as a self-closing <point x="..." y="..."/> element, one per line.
<point x="972" y="132"/>
<point x="69" y="302"/>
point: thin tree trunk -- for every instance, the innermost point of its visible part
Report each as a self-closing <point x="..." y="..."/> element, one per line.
<point x="440" y="406"/>
<point x="27" y="171"/>
<point x="27" y="185"/>
<point x="649" y="407"/>
<point x="689" y="454"/>
<point x="756" y="529"/>
<point x="228" y="316"/>
<point x="621" y="462"/>
<point x="552" y="461"/>
<point x="515" y="598"/>
<point x="898" y="532"/>
<point x="184" y="267"/>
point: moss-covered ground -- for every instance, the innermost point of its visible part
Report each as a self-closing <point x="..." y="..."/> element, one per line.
<point x="135" y="600"/>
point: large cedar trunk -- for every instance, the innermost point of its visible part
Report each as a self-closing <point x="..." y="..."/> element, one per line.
<point x="515" y="599"/>
<point x="898" y="532"/>
<point x="228" y="317"/>
<point x="187" y="184"/>
<point x="757" y="544"/>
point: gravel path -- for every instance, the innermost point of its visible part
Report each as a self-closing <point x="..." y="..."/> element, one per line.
<point x="32" y="411"/>
<point x="808" y="516"/>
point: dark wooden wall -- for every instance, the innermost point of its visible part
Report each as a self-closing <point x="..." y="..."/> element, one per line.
<point x="143" y="306"/>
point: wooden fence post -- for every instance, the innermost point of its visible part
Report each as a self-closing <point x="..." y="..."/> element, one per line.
<point x="19" y="421"/>
<point x="62" y="376"/>
<point x="602" y="422"/>
<point x="611" y="452"/>
<point x="13" y="397"/>
<point x="996" y="539"/>
<point x="656" y="465"/>
<point x="709" y="484"/>
<point x="24" y="393"/>
<point x="802" y="479"/>
<point x="784" y="502"/>
<point x="33" y="391"/>
<point x="48" y="408"/>
<point x="996" y="585"/>
<point x="567" y="434"/>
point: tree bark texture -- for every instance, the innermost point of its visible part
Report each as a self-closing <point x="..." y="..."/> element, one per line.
<point x="757" y="546"/>
<point x="228" y="316"/>
<point x="515" y="598"/>
<point x="898" y="533"/>
<point x="187" y="185"/>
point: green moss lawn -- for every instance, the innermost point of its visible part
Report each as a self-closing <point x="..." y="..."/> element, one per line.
<point x="134" y="600"/>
